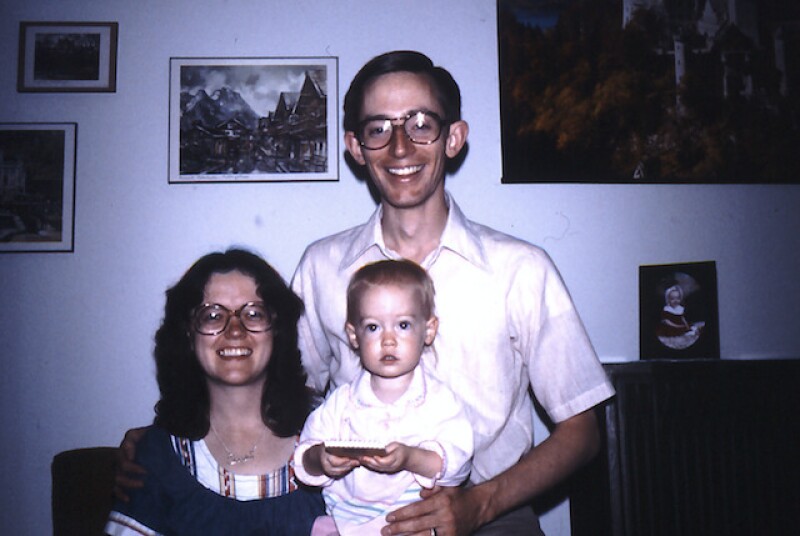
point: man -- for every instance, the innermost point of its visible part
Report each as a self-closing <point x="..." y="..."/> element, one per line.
<point x="506" y="319"/>
<point x="507" y="322"/>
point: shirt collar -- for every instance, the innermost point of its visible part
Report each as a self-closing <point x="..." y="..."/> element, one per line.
<point x="364" y="396"/>
<point x="459" y="236"/>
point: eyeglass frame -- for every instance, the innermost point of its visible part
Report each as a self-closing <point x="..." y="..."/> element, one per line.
<point x="439" y="119"/>
<point x="229" y="314"/>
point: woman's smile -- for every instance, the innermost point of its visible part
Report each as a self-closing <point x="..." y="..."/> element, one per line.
<point x="234" y="352"/>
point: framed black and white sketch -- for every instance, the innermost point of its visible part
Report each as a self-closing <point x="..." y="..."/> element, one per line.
<point x="253" y="119"/>
<point x="67" y="57"/>
<point x="678" y="311"/>
<point x="37" y="186"/>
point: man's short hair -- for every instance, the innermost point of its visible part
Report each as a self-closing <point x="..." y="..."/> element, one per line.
<point x="444" y="86"/>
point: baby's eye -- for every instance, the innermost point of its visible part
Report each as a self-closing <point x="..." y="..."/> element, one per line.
<point x="371" y="328"/>
<point x="405" y="325"/>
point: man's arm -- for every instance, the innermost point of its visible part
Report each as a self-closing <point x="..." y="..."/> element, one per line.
<point x="461" y="511"/>
<point x="310" y="332"/>
<point x="128" y="475"/>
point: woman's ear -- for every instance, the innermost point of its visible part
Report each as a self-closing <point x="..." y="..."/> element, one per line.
<point x="354" y="147"/>
<point x="456" y="138"/>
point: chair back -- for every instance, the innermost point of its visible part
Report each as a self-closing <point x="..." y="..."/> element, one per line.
<point x="83" y="481"/>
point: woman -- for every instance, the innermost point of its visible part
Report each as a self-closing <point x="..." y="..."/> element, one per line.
<point x="233" y="399"/>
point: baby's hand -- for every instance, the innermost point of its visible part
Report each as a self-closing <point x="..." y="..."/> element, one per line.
<point x="395" y="460"/>
<point x="337" y="466"/>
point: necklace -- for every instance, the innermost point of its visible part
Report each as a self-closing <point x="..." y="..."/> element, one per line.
<point x="233" y="459"/>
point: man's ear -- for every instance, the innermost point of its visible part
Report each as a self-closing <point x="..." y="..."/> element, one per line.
<point x="351" y="335"/>
<point x="431" y="327"/>
<point x="456" y="138"/>
<point x="354" y="147"/>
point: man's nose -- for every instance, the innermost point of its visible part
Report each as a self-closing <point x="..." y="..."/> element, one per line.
<point x="399" y="143"/>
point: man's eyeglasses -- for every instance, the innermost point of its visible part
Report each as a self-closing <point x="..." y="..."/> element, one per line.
<point x="213" y="318"/>
<point x="422" y="128"/>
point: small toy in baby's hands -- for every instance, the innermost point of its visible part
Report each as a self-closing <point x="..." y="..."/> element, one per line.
<point x="355" y="448"/>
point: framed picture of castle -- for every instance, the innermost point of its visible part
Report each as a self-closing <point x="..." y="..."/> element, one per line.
<point x="650" y="91"/>
<point x="253" y="119"/>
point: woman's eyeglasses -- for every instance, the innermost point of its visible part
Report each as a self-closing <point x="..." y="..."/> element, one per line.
<point x="213" y="318"/>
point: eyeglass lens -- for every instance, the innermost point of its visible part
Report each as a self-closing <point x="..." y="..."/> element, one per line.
<point x="212" y="319"/>
<point x="420" y="127"/>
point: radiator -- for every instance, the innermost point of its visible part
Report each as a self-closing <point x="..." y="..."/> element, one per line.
<point x="707" y="447"/>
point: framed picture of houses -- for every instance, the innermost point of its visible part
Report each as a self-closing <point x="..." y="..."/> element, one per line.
<point x="37" y="187"/>
<point x="253" y="119"/>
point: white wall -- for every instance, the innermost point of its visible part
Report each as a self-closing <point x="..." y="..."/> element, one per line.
<point x="76" y="328"/>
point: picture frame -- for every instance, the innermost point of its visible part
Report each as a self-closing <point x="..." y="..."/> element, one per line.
<point x="37" y="187"/>
<point x="67" y="57"/>
<point x="269" y="119"/>
<point x="634" y="92"/>
<point x="679" y="317"/>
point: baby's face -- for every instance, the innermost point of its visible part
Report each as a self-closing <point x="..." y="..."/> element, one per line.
<point x="674" y="298"/>
<point x="392" y="330"/>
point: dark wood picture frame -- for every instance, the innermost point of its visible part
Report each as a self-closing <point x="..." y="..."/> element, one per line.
<point x="37" y="193"/>
<point x="678" y="311"/>
<point x="77" y="57"/>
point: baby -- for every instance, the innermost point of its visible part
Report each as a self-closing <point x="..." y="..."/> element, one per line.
<point x="413" y="428"/>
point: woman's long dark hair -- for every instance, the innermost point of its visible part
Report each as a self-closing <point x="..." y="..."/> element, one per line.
<point x="183" y="409"/>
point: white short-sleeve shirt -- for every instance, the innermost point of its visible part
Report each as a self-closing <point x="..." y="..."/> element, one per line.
<point x="506" y="323"/>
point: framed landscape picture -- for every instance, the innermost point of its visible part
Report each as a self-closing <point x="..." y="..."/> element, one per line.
<point x="67" y="57"/>
<point x="253" y="119"/>
<point x="678" y="311"/>
<point x="37" y="186"/>
<point x="649" y="91"/>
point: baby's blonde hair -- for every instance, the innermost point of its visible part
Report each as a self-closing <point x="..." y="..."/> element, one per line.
<point x="390" y="272"/>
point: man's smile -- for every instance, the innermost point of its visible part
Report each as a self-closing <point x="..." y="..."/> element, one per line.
<point x="407" y="170"/>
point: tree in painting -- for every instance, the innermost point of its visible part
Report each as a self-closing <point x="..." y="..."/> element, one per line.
<point x="650" y="90"/>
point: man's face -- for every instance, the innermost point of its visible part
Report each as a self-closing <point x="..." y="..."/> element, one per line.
<point x="406" y="174"/>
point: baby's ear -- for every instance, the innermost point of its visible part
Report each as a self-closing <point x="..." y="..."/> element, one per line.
<point x="351" y="335"/>
<point x="431" y="327"/>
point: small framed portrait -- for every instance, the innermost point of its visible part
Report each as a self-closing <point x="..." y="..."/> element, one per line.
<point x="678" y="311"/>
<point x="253" y="120"/>
<point x="37" y="186"/>
<point x="67" y="57"/>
